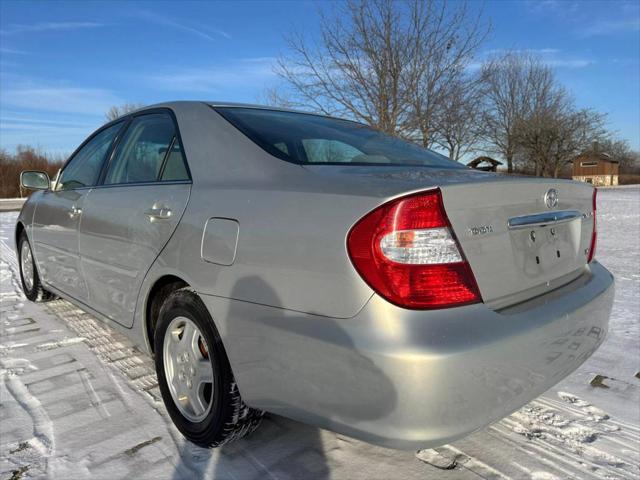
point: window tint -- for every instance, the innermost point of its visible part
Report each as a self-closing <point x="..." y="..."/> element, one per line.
<point x="319" y="150"/>
<point x="141" y="153"/>
<point x="314" y="139"/>
<point x="84" y="167"/>
<point x="282" y="146"/>
<point x="175" y="167"/>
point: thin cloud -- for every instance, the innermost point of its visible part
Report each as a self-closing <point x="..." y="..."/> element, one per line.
<point x="88" y="101"/>
<point x="586" y="20"/>
<point x="16" y="118"/>
<point x="569" y="63"/>
<point x="535" y="51"/>
<point x="54" y="139"/>
<point x="619" y="17"/>
<point x="38" y="127"/>
<point x="12" y="51"/>
<point x="202" y="32"/>
<point x="625" y="62"/>
<point x="48" y="26"/>
<point x="610" y="27"/>
<point x="556" y="7"/>
<point x="553" y="57"/>
<point x="248" y="72"/>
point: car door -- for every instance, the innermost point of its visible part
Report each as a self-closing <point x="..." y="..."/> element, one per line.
<point x="59" y="213"/>
<point x="131" y="215"/>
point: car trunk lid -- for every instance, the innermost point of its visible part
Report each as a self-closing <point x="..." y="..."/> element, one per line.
<point x="519" y="245"/>
<point x="511" y="265"/>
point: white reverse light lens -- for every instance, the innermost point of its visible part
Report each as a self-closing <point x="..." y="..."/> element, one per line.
<point x="421" y="247"/>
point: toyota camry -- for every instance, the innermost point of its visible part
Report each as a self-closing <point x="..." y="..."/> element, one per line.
<point x="313" y="267"/>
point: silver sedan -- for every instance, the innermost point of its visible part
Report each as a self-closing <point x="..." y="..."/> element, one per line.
<point x="315" y="268"/>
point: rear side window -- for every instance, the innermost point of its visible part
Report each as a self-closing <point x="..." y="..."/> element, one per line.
<point x="84" y="167"/>
<point x="140" y="156"/>
<point x="175" y="167"/>
<point x="316" y="140"/>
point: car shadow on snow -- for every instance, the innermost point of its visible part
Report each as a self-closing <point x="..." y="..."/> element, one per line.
<point x="310" y="361"/>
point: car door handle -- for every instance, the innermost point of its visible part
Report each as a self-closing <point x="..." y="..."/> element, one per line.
<point x="158" y="213"/>
<point x="74" y="212"/>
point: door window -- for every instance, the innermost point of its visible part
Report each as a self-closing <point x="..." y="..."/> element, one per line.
<point x="140" y="156"/>
<point x="84" y="167"/>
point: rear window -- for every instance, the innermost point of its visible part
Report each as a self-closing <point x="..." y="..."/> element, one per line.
<point x="316" y="140"/>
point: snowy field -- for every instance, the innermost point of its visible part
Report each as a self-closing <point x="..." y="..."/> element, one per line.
<point x="78" y="401"/>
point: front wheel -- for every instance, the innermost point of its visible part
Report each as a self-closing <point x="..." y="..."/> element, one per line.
<point x="194" y="375"/>
<point x="29" y="277"/>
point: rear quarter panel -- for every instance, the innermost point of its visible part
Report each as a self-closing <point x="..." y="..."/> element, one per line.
<point x="290" y="253"/>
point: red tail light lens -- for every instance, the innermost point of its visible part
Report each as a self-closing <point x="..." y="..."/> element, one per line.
<point x="405" y="250"/>
<point x="594" y="234"/>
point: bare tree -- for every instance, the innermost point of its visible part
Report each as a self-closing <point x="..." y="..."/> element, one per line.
<point x="119" y="110"/>
<point x="552" y="137"/>
<point x="447" y="39"/>
<point x="358" y="69"/>
<point x="517" y="85"/>
<point x="382" y="62"/>
<point x="275" y="97"/>
<point x="458" y="121"/>
<point x="577" y="130"/>
<point x="620" y="150"/>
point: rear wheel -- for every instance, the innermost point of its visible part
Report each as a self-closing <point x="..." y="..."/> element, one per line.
<point x="195" y="377"/>
<point x="31" y="285"/>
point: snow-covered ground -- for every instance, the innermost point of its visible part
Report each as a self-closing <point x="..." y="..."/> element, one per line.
<point x="9" y="204"/>
<point x="78" y="401"/>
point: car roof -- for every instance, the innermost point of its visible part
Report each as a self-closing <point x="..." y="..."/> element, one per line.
<point x="187" y="103"/>
<point x="216" y="103"/>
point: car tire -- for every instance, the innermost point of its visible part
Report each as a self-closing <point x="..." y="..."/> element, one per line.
<point x="29" y="277"/>
<point x="185" y="339"/>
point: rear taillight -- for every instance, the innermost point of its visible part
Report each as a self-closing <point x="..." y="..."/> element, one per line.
<point x="406" y="251"/>
<point x="594" y="234"/>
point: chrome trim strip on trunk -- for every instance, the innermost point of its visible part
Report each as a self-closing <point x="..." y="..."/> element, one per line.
<point x="543" y="219"/>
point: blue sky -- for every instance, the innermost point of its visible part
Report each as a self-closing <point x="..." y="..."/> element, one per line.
<point x="62" y="65"/>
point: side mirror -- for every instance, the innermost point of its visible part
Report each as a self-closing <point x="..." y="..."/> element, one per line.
<point x="34" y="180"/>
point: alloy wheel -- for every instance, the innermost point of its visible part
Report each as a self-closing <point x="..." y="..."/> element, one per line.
<point x="188" y="369"/>
<point x="26" y="263"/>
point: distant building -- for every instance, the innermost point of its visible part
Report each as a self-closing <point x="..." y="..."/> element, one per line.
<point x="595" y="167"/>
<point x="486" y="164"/>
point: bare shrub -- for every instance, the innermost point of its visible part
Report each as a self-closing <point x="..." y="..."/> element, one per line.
<point x="25" y="158"/>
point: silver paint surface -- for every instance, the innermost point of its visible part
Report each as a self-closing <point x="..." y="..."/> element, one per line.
<point x="306" y="337"/>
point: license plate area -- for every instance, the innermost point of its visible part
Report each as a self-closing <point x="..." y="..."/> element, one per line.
<point x="547" y="250"/>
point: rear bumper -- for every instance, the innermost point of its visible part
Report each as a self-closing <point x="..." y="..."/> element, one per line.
<point x="410" y="379"/>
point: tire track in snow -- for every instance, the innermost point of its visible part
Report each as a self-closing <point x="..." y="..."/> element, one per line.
<point x="43" y="438"/>
<point x="574" y="438"/>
